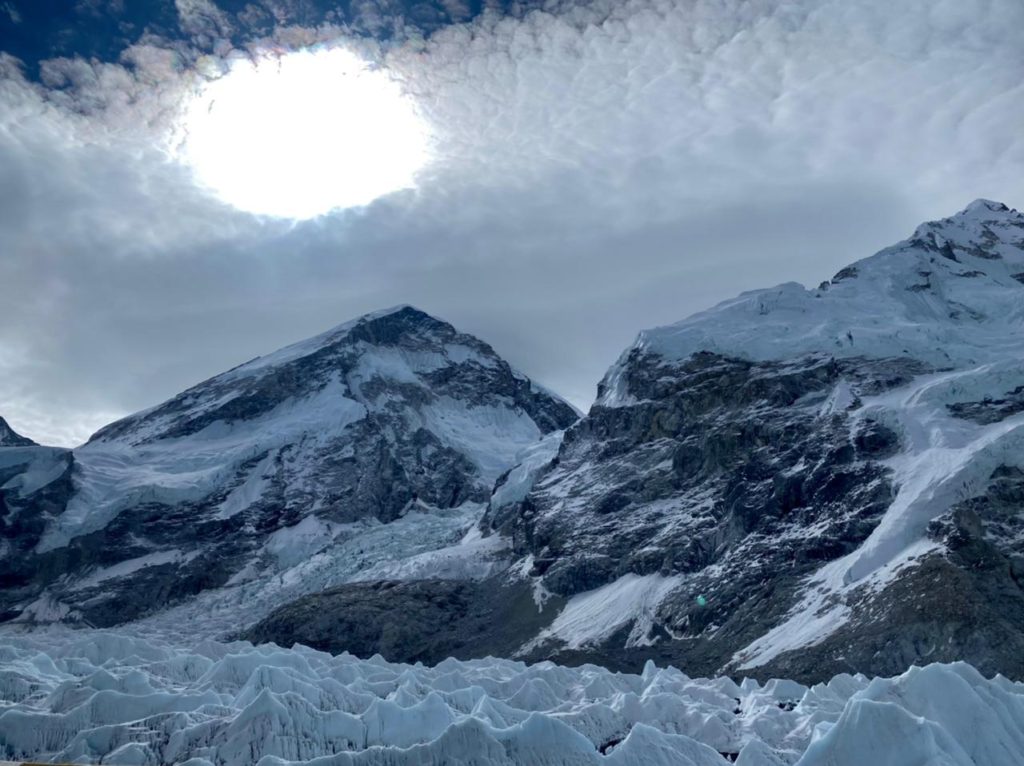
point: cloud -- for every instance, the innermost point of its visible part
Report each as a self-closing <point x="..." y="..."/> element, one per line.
<point x="599" y="167"/>
<point x="203" y="21"/>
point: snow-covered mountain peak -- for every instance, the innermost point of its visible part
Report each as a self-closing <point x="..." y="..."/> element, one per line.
<point x="820" y="460"/>
<point x="389" y="326"/>
<point x="378" y="360"/>
<point x="986" y="229"/>
<point x="394" y="413"/>
<point x="11" y="438"/>
<point x="982" y="211"/>
<point x="950" y="296"/>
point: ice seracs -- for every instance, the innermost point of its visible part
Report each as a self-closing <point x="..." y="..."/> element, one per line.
<point x="114" y="698"/>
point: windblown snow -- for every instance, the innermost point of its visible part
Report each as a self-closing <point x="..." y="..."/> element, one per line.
<point x="91" y="697"/>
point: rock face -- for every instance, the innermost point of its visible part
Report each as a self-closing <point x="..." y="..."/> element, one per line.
<point x="422" y="620"/>
<point x="796" y="482"/>
<point x="393" y="416"/>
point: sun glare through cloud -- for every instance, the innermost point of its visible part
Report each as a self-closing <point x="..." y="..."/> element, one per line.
<point x="304" y="133"/>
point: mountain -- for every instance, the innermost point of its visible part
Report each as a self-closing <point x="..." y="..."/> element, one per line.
<point x="11" y="438"/>
<point x="370" y="443"/>
<point x="795" y="483"/>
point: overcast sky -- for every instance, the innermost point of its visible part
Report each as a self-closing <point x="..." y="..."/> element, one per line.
<point x="595" y="168"/>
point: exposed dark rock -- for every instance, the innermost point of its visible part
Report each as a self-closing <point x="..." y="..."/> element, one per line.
<point x="418" y="621"/>
<point x="715" y="455"/>
<point x="850" y="272"/>
<point x="990" y="410"/>
<point x="964" y="603"/>
<point x="875" y="440"/>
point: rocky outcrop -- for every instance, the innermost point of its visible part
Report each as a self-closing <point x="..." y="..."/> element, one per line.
<point x="965" y="598"/>
<point x="419" y="621"/>
<point x="722" y="453"/>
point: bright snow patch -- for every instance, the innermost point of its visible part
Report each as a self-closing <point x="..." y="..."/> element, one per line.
<point x="530" y="462"/>
<point x="591" y="617"/>
<point x="93" y="697"/>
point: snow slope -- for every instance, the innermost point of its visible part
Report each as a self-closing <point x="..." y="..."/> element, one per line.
<point x="946" y="460"/>
<point x="92" y="696"/>
<point x="950" y="296"/>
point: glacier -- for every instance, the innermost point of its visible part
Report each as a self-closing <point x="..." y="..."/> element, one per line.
<point x="115" y="697"/>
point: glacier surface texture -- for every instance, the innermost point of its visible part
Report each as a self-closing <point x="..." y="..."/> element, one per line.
<point x="101" y="697"/>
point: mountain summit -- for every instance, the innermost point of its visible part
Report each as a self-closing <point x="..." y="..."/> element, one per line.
<point x="801" y="482"/>
<point x="393" y="415"/>
<point x="948" y="296"/>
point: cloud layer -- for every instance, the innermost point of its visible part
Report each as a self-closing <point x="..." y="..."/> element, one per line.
<point x="598" y="168"/>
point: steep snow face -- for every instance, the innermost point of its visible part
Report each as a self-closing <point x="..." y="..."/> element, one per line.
<point x="781" y="474"/>
<point x="114" y="698"/>
<point x="950" y="296"/>
<point x="393" y="413"/>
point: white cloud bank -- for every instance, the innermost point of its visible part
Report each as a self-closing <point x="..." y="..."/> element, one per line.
<point x="598" y="168"/>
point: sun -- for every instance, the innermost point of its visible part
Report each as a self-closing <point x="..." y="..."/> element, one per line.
<point x="299" y="134"/>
